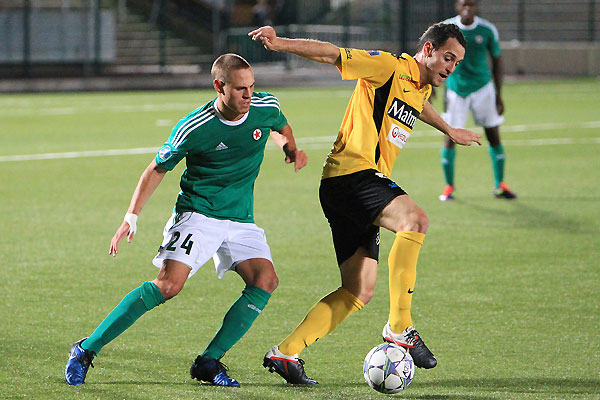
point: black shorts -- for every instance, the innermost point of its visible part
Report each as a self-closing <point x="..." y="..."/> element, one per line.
<point x="351" y="203"/>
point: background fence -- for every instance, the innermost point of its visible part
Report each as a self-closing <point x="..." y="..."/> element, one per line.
<point x="100" y="37"/>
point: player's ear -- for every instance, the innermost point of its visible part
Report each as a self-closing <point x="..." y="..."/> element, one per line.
<point x="218" y="85"/>
<point x="428" y="49"/>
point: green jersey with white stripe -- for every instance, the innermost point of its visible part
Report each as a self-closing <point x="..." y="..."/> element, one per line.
<point x="473" y="72"/>
<point x="223" y="157"/>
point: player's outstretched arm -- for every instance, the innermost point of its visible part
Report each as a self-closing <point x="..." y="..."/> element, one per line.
<point x="149" y="181"/>
<point x="460" y="136"/>
<point x="315" y="50"/>
<point x="285" y="141"/>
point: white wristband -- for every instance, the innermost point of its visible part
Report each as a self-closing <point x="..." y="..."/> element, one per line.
<point x="131" y="219"/>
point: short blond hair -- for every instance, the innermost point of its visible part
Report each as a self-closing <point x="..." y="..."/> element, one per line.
<point x="226" y="63"/>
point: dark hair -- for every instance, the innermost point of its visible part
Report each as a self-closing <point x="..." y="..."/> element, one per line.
<point x="225" y="63"/>
<point x="438" y="34"/>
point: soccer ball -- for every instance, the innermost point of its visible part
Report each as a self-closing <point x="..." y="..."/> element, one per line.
<point x="388" y="368"/>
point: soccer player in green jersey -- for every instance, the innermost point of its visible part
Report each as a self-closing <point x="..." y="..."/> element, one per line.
<point x="470" y="87"/>
<point x="223" y="143"/>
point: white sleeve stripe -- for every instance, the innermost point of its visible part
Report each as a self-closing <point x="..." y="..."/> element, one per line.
<point x="267" y="105"/>
<point x="269" y="96"/>
<point x="190" y="125"/>
<point x="264" y="102"/>
<point x="491" y="27"/>
<point x="263" y="99"/>
<point x="184" y="126"/>
<point x="177" y="143"/>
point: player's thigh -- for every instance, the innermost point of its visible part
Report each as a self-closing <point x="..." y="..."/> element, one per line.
<point x="191" y="239"/>
<point x="244" y="241"/>
<point x="483" y="105"/>
<point x="403" y="214"/>
<point x="456" y="110"/>
<point x="351" y="203"/>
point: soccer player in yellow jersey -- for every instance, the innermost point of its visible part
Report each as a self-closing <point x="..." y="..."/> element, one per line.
<point x="356" y="194"/>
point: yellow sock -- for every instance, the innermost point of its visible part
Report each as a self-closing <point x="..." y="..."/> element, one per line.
<point x="403" y="274"/>
<point x="321" y="320"/>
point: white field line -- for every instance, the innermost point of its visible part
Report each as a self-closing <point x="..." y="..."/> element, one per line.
<point x="325" y="142"/>
<point x="79" y="154"/>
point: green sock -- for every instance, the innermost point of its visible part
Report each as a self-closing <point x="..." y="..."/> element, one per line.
<point x="133" y="306"/>
<point x="448" y="165"/>
<point x="498" y="157"/>
<point x="237" y="321"/>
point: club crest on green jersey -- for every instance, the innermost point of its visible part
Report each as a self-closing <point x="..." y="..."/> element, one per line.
<point x="257" y="134"/>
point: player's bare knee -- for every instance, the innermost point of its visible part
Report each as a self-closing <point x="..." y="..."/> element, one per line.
<point x="267" y="280"/>
<point x="422" y="221"/>
<point x="366" y="295"/>
<point x="415" y="221"/>
<point x="363" y="292"/>
<point x="269" y="283"/>
<point x="168" y="289"/>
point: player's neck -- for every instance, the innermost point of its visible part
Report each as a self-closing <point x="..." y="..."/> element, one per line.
<point x="228" y="113"/>
<point x="467" y="21"/>
<point x="422" y="69"/>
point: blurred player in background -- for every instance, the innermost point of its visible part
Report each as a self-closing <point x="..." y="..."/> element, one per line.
<point x="470" y="88"/>
<point x="223" y="143"/>
<point x="356" y="193"/>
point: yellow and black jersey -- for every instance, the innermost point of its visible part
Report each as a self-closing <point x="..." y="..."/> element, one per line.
<point x="381" y="113"/>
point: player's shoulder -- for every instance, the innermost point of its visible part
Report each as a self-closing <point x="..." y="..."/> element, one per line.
<point x="205" y="110"/>
<point x="485" y="24"/>
<point x="380" y="54"/>
<point x="264" y="100"/>
<point x="195" y="119"/>
<point x="452" y="20"/>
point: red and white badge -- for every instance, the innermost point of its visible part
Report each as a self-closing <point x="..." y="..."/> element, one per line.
<point x="257" y="134"/>
<point x="398" y="135"/>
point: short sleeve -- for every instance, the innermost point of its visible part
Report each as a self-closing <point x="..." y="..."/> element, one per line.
<point x="175" y="148"/>
<point x="373" y="66"/>
<point x="274" y="119"/>
<point x="280" y="122"/>
<point x="494" y="43"/>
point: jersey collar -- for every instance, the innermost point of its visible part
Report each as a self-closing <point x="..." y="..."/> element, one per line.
<point x="226" y="121"/>
<point x="413" y="70"/>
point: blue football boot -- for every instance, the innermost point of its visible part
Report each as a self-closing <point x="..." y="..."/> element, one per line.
<point x="212" y="371"/>
<point x="78" y="364"/>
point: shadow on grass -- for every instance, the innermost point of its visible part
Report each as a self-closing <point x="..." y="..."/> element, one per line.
<point x="525" y="215"/>
<point x="521" y="385"/>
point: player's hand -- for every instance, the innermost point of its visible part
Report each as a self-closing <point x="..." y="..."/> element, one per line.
<point x="499" y="105"/>
<point x="124" y="230"/>
<point x="266" y="35"/>
<point x="464" y="137"/>
<point x="298" y="157"/>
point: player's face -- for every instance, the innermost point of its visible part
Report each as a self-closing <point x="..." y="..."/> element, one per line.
<point x="237" y="91"/>
<point x="467" y="9"/>
<point x="442" y="62"/>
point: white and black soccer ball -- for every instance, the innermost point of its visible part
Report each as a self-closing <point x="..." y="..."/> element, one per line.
<point x="388" y="368"/>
